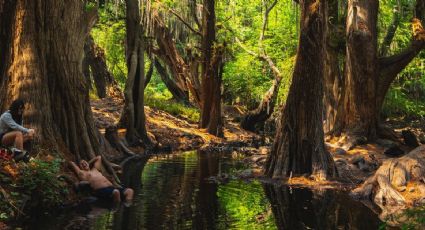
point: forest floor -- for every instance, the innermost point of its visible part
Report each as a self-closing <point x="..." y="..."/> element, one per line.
<point x="172" y="132"/>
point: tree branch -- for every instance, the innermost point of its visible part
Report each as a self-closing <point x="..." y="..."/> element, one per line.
<point x="391" y="31"/>
<point x="390" y="67"/>
<point x="185" y="23"/>
<point x="266" y="17"/>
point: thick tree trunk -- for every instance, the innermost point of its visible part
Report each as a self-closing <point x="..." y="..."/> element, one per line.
<point x="176" y="91"/>
<point x="332" y="73"/>
<point x="299" y="146"/>
<point x="133" y="116"/>
<point x="180" y="70"/>
<point x="211" y="73"/>
<point x="44" y="67"/>
<point x="359" y="113"/>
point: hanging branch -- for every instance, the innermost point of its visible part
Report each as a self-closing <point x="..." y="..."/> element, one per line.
<point x="185" y="23"/>
<point x="180" y="19"/>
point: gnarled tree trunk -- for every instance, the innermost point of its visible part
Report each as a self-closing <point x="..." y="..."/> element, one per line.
<point x="96" y="63"/>
<point x="299" y="146"/>
<point x="175" y="90"/>
<point x="368" y="77"/>
<point x="42" y="65"/>
<point x="133" y="117"/>
<point x="332" y="73"/>
<point x="393" y="184"/>
<point x="358" y="116"/>
<point x="211" y="73"/>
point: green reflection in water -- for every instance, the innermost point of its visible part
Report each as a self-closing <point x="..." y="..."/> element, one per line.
<point x="245" y="205"/>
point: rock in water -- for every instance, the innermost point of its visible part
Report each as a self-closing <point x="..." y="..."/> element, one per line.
<point x="394" y="152"/>
<point x="410" y="138"/>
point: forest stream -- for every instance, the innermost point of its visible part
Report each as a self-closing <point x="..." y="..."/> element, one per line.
<point x="197" y="190"/>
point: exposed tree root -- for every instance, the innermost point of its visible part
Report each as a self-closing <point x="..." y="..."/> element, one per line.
<point x="388" y="185"/>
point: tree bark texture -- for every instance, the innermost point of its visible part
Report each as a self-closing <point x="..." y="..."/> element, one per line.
<point x="299" y="146"/>
<point x="42" y="63"/>
<point x="359" y="100"/>
<point x="367" y="77"/>
<point x="133" y="117"/>
<point x="332" y="73"/>
<point x="211" y="73"/>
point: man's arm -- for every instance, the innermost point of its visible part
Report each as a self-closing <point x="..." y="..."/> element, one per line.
<point x="77" y="170"/>
<point x="97" y="162"/>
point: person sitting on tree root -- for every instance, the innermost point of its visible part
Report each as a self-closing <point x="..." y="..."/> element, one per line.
<point x="102" y="187"/>
<point x="12" y="133"/>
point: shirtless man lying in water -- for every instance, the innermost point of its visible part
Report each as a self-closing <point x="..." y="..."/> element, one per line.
<point x="101" y="186"/>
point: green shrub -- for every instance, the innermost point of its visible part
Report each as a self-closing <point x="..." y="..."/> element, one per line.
<point x="162" y="100"/>
<point x="38" y="180"/>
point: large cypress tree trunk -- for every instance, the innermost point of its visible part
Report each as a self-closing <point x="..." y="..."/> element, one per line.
<point x="358" y="117"/>
<point x="368" y="77"/>
<point x="211" y="75"/>
<point x="43" y="42"/>
<point x="299" y="146"/>
<point x="133" y="117"/>
<point x="332" y="73"/>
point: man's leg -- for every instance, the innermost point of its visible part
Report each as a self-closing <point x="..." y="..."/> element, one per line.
<point x="116" y="196"/>
<point x="128" y="194"/>
<point x="14" y="138"/>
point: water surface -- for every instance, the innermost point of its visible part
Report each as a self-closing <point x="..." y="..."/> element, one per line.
<point x="180" y="192"/>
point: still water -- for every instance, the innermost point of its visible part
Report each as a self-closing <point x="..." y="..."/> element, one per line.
<point x="178" y="192"/>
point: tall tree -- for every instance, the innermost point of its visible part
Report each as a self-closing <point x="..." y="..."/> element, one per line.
<point x="41" y="44"/>
<point x="358" y="101"/>
<point x="211" y="72"/>
<point x="133" y="117"/>
<point x="367" y="76"/>
<point x="267" y="104"/>
<point x="333" y="77"/>
<point x="299" y="146"/>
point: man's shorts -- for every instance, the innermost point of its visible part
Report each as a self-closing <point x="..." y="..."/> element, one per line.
<point x="106" y="193"/>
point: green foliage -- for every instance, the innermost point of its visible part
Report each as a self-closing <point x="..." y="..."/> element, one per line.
<point x="158" y="97"/>
<point x="246" y="78"/>
<point x="38" y="180"/>
<point x="416" y="218"/>
<point x="109" y="33"/>
<point x="398" y="103"/>
<point x="411" y="219"/>
<point x="406" y="97"/>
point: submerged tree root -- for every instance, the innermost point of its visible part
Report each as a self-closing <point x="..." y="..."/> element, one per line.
<point x="399" y="181"/>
